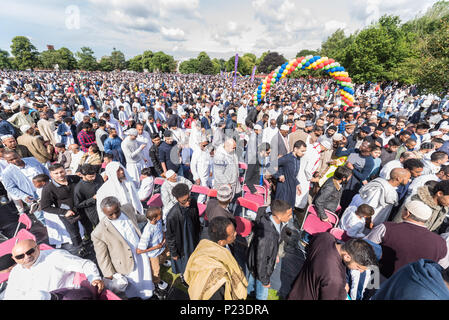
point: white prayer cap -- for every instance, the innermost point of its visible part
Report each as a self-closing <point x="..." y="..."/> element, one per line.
<point x="6" y="136"/>
<point x="7" y="107"/>
<point x="444" y="126"/>
<point x="132" y="132"/>
<point x="436" y="133"/>
<point x="257" y="127"/>
<point x="337" y="137"/>
<point x="169" y="174"/>
<point x="80" y="106"/>
<point x="419" y="209"/>
<point x="15" y="105"/>
<point x="284" y="127"/>
<point x="326" y="143"/>
<point x="25" y="128"/>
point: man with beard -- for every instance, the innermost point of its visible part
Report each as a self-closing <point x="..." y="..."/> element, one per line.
<point x="323" y="275"/>
<point x="355" y="140"/>
<point x="157" y="169"/>
<point x="328" y="198"/>
<point x="85" y="192"/>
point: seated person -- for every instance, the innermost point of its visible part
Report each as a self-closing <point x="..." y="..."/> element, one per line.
<point x="354" y="222"/>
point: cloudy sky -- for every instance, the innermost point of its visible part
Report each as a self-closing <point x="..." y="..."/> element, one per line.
<point x="183" y="28"/>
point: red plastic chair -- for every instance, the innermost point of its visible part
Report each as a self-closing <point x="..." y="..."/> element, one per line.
<point x="201" y="208"/>
<point x="80" y="280"/>
<point x="248" y="204"/>
<point x="244" y="226"/>
<point x="212" y="193"/>
<point x="23" y="218"/>
<point x="243" y="166"/>
<point x="155" y="201"/>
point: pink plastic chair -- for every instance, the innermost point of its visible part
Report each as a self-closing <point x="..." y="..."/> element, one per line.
<point x="6" y="247"/>
<point x="312" y="224"/>
<point x="333" y="218"/>
<point x="243" y="166"/>
<point x="257" y="198"/>
<point x="248" y="204"/>
<point x="80" y="280"/>
<point x="159" y="181"/>
<point x="260" y="190"/>
<point x="200" y="189"/>
<point x="155" y="201"/>
<point x="244" y="226"/>
<point x="201" y="208"/>
<point x="339" y="234"/>
<point x="24" y="219"/>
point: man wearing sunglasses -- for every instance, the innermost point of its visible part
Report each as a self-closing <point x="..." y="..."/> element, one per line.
<point x="44" y="275"/>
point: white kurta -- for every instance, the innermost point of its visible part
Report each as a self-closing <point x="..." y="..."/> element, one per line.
<point x="53" y="269"/>
<point x="309" y="164"/>
<point x="140" y="280"/>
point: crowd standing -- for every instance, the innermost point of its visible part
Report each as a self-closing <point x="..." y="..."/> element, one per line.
<point x="109" y="166"/>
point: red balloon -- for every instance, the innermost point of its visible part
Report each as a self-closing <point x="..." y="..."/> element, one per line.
<point x="300" y="59"/>
<point x="326" y="62"/>
<point x="321" y="66"/>
<point x="331" y="61"/>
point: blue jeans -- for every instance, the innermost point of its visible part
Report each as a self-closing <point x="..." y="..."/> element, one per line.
<point x="261" y="291"/>
<point x="40" y="216"/>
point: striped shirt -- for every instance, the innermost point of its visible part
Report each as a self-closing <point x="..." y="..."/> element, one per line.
<point x="152" y="235"/>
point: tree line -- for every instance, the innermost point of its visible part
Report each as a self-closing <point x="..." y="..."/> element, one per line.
<point x="414" y="52"/>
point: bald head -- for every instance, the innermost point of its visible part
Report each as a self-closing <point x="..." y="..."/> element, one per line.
<point x="230" y="145"/>
<point x="24" y="254"/>
<point x="399" y="176"/>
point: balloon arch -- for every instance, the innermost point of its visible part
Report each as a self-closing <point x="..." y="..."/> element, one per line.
<point x="330" y="66"/>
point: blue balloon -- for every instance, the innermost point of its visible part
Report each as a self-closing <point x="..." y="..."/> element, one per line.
<point x="316" y="58"/>
<point x="307" y="64"/>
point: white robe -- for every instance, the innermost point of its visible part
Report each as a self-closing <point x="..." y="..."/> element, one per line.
<point x="140" y="280"/>
<point x="309" y="164"/>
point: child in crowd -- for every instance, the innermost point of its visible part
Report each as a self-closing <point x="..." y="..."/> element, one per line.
<point x="146" y="186"/>
<point x="39" y="181"/>
<point x="354" y="223"/>
<point x="152" y="243"/>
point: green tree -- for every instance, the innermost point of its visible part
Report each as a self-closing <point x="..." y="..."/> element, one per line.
<point x="189" y="66"/>
<point x="106" y="63"/>
<point x="24" y="52"/>
<point x="271" y="61"/>
<point x="67" y="60"/>
<point x="163" y="62"/>
<point x="146" y="60"/>
<point x="118" y="59"/>
<point x="307" y="52"/>
<point x="205" y="65"/>
<point x="86" y="59"/>
<point x="5" y="62"/>
<point x="135" y="64"/>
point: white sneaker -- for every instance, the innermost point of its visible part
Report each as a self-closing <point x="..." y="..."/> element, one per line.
<point x="167" y="264"/>
<point x="162" y="285"/>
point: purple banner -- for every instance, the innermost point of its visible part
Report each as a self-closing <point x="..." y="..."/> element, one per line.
<point x="235" y="70"/>
<point x="253" y="74"/>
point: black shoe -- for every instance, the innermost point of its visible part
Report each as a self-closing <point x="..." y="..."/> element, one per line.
<point x="82" y="253"/>
<point x="184" y="283"/>
<point x="159" y="294"/>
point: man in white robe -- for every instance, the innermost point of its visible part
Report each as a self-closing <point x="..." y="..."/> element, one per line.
<point x="201" y="167"/>
<point x="168" y="200"/>
<point x="120" y="185"/>
<point x="132" y="149"/>
<point x="37" y="273"/>
<point x="310" y="163"/>
<point x="144" y="138"/>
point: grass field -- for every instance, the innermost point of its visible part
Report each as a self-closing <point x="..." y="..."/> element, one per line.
<point x="175" y="280"/>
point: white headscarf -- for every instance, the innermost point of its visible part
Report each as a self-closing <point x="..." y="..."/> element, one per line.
<point x="113" y="187"/>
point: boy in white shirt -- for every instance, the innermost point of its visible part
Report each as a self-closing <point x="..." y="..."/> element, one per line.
<point x="152" y="243"/>
<point x="354" y="223"/>
<point x="146" y="185"/>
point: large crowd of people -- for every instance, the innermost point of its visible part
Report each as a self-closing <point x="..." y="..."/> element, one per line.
<point x="128" y="174"/>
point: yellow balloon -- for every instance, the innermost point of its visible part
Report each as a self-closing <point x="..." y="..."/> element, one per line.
<point x="264" y="86"/>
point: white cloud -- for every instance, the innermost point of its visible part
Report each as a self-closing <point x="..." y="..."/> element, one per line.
<point x="173" y="34"/>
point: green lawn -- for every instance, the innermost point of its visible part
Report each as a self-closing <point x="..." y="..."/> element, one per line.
<point x="174" y="280"/>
